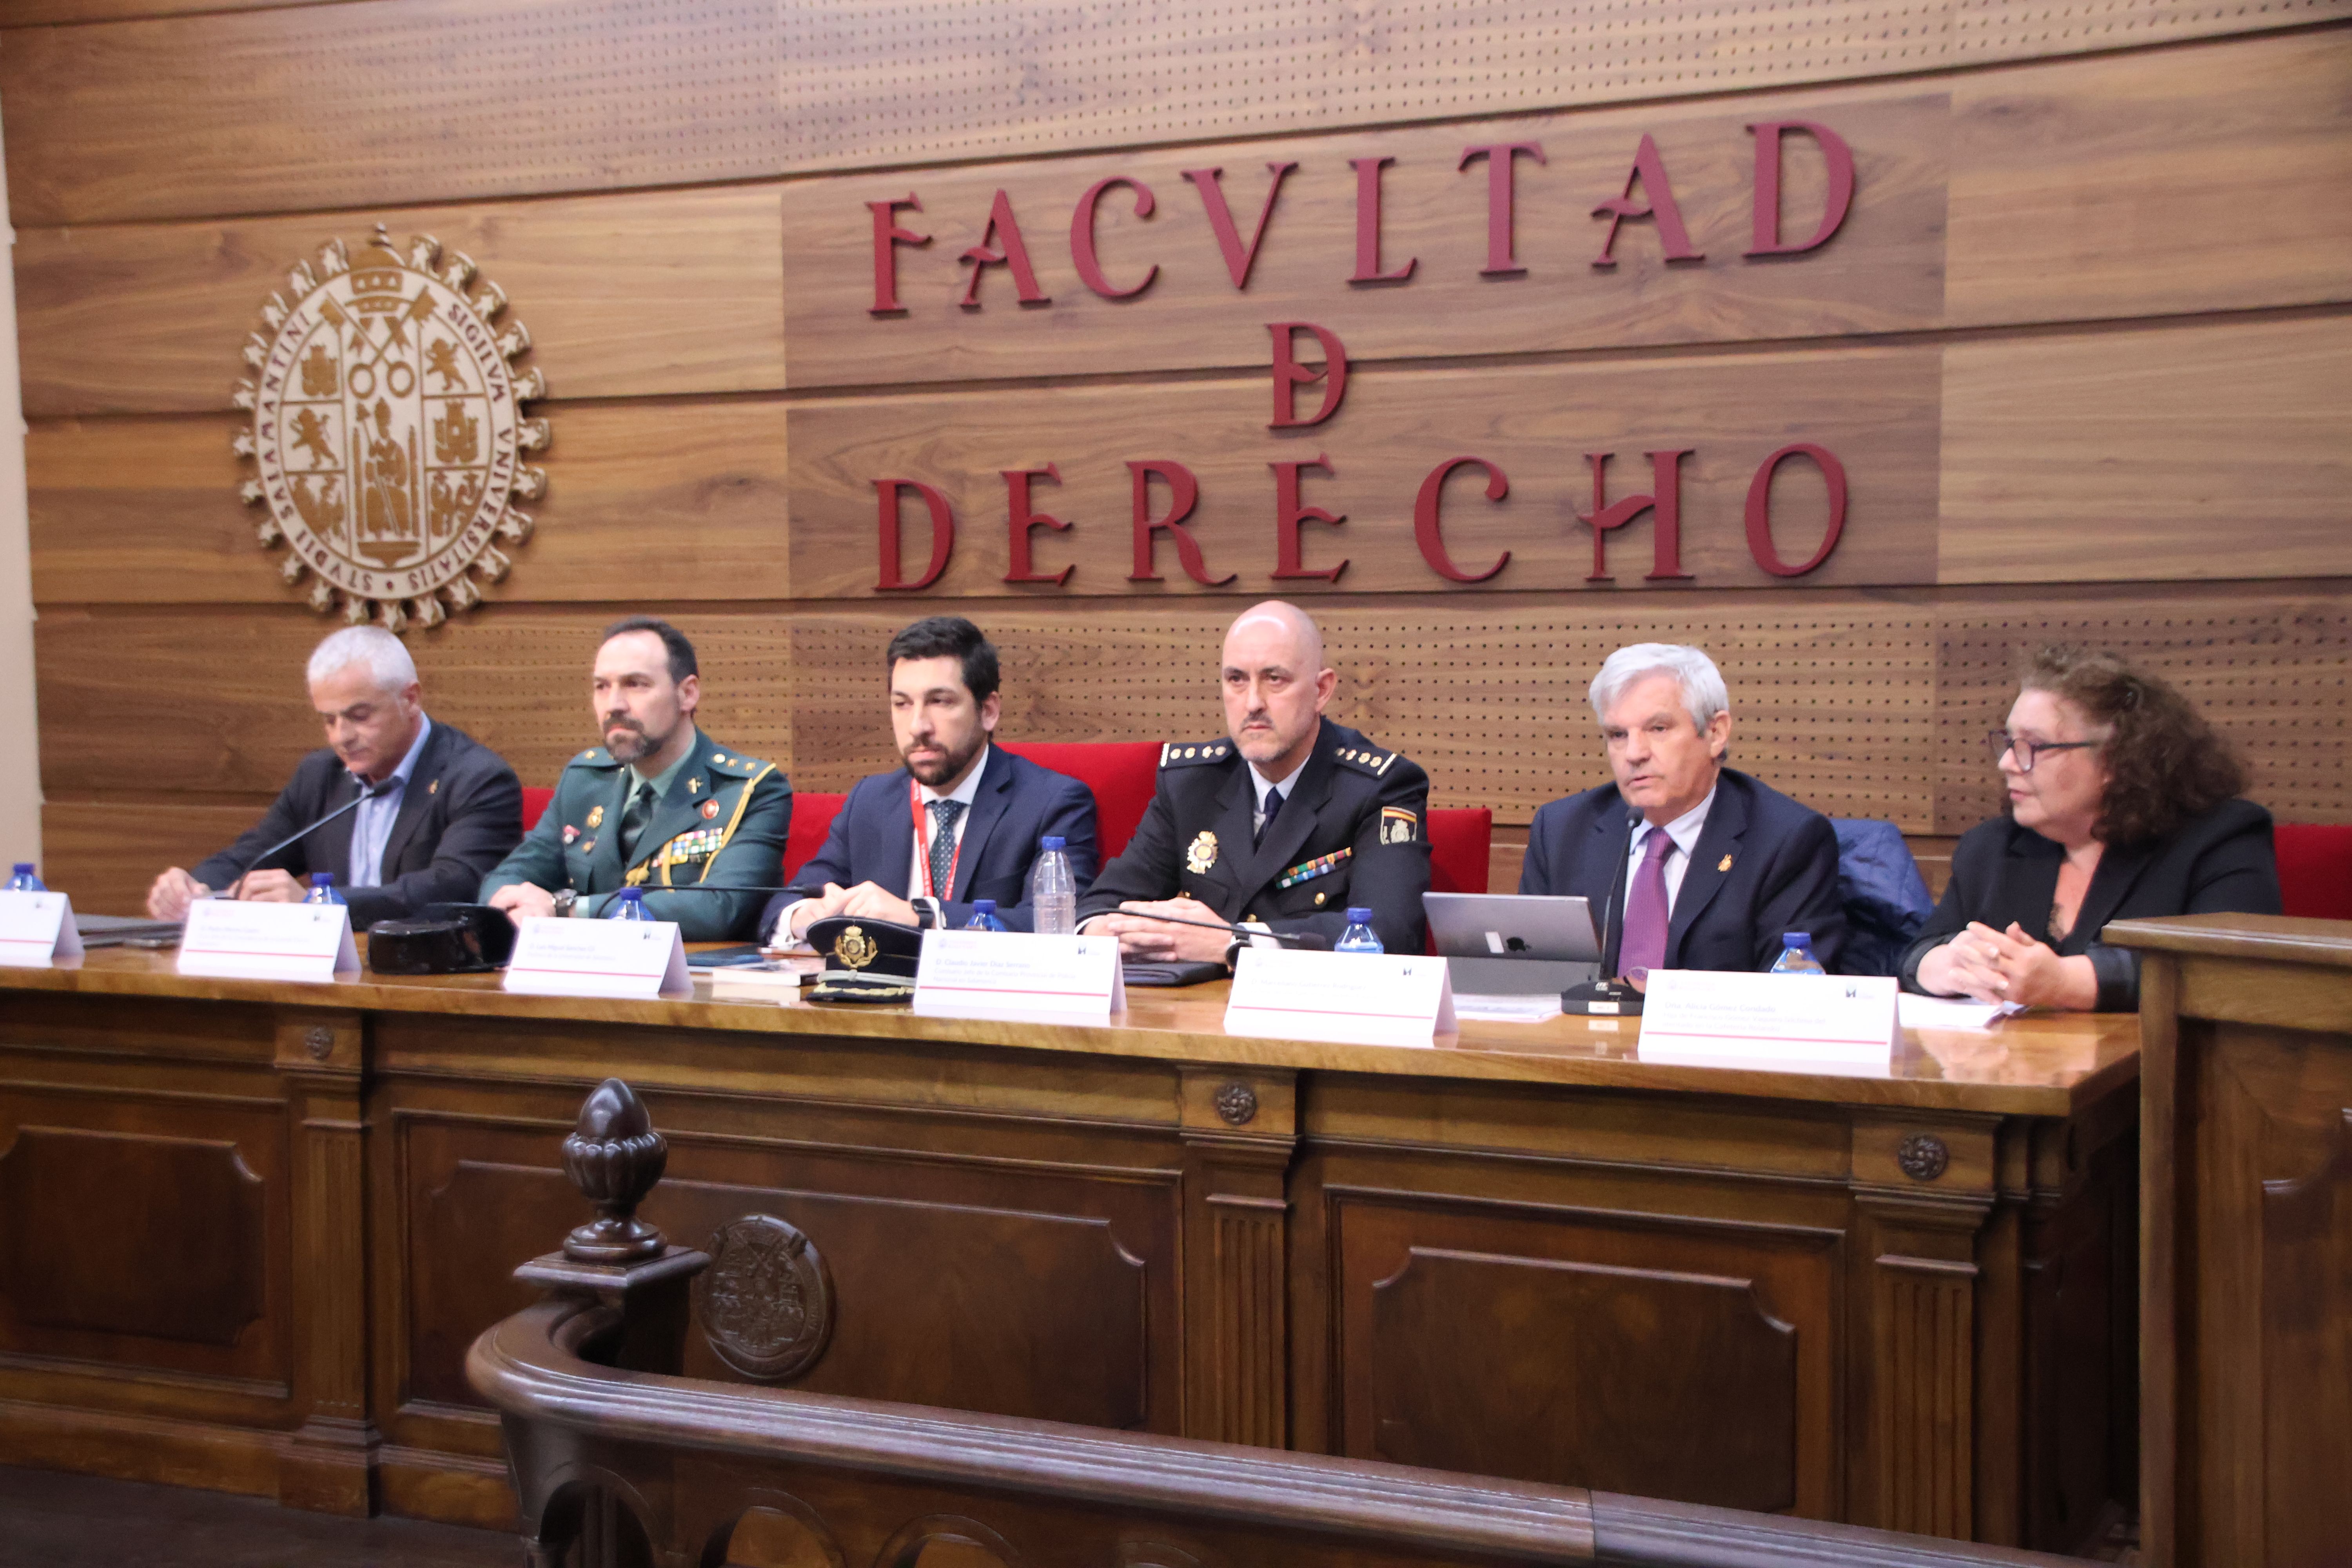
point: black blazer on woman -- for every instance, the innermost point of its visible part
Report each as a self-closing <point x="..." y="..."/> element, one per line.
<point x="2220" y="863"/>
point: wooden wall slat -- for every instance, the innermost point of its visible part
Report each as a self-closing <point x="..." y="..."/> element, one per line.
<point x="2211" y="177"/>
<point x="644" y="294"/>
<point x="106" y="855"/>
<point x="1881" y="272"/>
<point x="1874" y="408"/>
<point x="675" y="502"/>
<point x="2273" y="672"/>
<point x="2198" y="452"/>
<point x="215" y="701"/>
<point x="56" y="12"/>
<point x="2192" y="179"/>
<point x="321" y="107"/>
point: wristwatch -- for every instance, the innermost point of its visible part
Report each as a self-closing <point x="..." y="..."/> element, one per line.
<point x="565" y="898"/>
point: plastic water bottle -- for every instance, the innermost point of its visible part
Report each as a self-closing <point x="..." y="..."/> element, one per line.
<point x="322" y="889"/>
<point x="628" y="904"/>
<point x="1797" y="955"/>
<point x="1053" y="892"/>
<point x="983" y="916"/>
<point x="25" y="881"/>
<point x="1358" y="937"/>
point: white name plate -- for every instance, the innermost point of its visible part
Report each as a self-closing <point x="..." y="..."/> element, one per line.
<point x="1349" y="998"/>
<point x="37" y="930"/>
<point x="1788" y="1022"/>
<point x="642" y="959"/>
<point x="229" y="938"/>
<point x="1016" y="974"/>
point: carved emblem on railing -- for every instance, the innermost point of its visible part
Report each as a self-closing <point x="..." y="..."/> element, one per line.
<point x="765" y="1303"/>
<point x="614" y="1157"/>
<point x="1238" y="1103"/>
<point x="1922" y="1156"/>
<point x="387" y="431"/>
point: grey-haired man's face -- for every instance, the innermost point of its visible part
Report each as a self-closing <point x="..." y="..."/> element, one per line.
<point x="1664" y="764"/>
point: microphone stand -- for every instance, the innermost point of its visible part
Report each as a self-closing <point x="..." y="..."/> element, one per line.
<point x="367" y="791"/>
<point x="1603" y="997"/>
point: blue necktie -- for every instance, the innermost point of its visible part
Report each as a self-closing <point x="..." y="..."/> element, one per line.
<point x="1273" y="810"/>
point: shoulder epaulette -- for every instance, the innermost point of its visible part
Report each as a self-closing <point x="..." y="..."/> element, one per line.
<point x="740" y="767"/>
<point x="594" y="757"/>
<point x="1191" y="754"/>
<point x="1366" y="759"/>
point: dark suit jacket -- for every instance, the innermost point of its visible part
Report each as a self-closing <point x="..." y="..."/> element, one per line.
<point x="461" y="812"/>
<point x="873" y="840"/>
<point x="1352" y="796"/>
<point x="2222" y="863"/>
<point x="1764" y="865"/>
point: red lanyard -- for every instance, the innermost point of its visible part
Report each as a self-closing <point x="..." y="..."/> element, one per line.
<point x="923" y="842"/>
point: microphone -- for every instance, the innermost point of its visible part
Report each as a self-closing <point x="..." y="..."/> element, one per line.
<point x="367" y="791"/>
<point x="1304" y="941"/>
<point x="1603" y="997"/>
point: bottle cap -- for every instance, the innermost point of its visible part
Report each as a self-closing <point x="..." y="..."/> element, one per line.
<point x="985" y="906"/>
<point x="1359" y="917"/>
<point x="24" y="868"/>
<point x="322" y="878"/>
<point x="1796" y="938"/>
<point x="1050" y="843"/>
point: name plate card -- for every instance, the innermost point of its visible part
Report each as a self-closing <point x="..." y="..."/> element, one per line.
<point x="640" y="958"/>
<point x="1348" y="998"/>
<point x="1016" y="975"/>
<point x="231" y="940"/>
<point x="37" y="930"/>
<point x="1785" y="1023"/>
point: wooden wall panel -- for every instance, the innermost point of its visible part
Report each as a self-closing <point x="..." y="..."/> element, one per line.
<point x="1883" y="271"/>
<point x="1833" y="703"/>
<point x="2191" y="179"/>
<point x="215" y="701"/>
<point x="329" y="105"/>
<point x="1874" y="408"/>
<point x="107" y="853"/>
<point x="2206" y="451"/>
<point x="2271" y="669"/>
<point x="667" y="501"/>
<point x="646" y="294"/>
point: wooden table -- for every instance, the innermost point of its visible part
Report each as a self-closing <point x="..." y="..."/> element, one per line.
<point x="2246" y="1365"/>
<point x="251" y="1229"/>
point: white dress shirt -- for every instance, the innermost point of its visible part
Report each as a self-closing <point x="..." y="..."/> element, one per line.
<point x="1684" y="831"/>
<point x="371" y="823"/>
<point x="1265" y="787"/>
<point x="966" y="791"/>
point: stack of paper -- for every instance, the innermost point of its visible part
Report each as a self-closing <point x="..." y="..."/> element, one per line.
<point x="1531" y="1009"/>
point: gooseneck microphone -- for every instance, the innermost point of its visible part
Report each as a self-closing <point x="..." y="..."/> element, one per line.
<point x="367" y="791"/>
<point x="1605" y="995"/>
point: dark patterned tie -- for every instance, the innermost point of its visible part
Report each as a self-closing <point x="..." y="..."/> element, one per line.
<point x="1273" y="810"/>
<point x="635" y="815"/>
<point x="1644" y="947"/>
<point x="943" y="845"/>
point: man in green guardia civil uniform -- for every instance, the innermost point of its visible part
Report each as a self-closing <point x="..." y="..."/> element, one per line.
<point x="660" y="805"/>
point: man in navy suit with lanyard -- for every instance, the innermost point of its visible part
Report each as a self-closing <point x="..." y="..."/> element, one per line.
<point x="960" y="821"/>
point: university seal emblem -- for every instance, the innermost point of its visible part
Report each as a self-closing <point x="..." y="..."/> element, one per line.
<point x="387" y="433"/>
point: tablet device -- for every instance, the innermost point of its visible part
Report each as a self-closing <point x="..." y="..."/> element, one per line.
<point x="1512" y="925"/>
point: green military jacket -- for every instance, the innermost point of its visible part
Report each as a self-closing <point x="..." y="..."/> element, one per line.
<point x="722" y="822"/>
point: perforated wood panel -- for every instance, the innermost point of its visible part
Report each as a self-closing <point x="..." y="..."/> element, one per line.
<point x="2273" y="674"/>
<point x="217" y="704"/>
<point x="313" y="107"/>
<point x="1833" y="705"/>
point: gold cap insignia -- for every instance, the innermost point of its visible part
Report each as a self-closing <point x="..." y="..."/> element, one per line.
<point x="595" y="816"/>
<point x="1202" y="854"/>
<point x="855" y="948"/>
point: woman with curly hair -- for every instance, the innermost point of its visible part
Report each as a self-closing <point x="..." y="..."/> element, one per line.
<point x="2122" y="803"/>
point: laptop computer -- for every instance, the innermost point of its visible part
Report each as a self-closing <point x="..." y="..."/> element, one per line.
<point x="1506" y="944"/>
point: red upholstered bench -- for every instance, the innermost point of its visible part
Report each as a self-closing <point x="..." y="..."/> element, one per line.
<point x="1460" y="839"/>
<point x="2315" y="867"/>
<point x="1122" y="774"/>
<point x="535" y="802"/>
<point x="812" y="814"/>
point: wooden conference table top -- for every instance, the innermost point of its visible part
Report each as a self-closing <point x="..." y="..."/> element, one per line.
<point x="2035" y="1065"/>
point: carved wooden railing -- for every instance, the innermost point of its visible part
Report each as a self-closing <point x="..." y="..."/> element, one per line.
<point x="619" y="1462"/>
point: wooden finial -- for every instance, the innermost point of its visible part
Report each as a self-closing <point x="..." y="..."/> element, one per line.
<point x="614" y="1157"/>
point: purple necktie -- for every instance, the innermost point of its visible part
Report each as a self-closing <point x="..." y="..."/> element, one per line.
<point x="1645" y="944"/>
